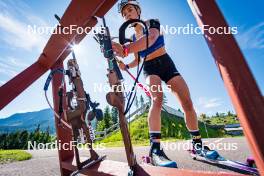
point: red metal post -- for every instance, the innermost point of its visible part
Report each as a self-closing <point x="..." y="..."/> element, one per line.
<point x="18" y="84"/>
<point x="239" y="81"/>
<point x="64" y="135"/>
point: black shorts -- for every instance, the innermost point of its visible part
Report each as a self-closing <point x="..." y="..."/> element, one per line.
<point x="161" y="66"/>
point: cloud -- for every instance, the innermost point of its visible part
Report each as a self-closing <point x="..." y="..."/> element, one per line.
<point x="210" y="103"/>
<point x="16" y="62"/>
<point x="7" y="70"/>
<point x="2" y="82"/>
<point x="17" y="35"/>
<point x="10" y="66"/>
<point x="252" y="38"/>
<point x="15" y="31"/>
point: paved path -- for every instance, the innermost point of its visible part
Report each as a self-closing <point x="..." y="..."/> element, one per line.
<point x="45" y="163"/>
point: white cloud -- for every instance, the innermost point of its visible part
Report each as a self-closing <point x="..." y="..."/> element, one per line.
<point x="210" y="103"/>
<point x="252" y="38"/>
<point x="17" y="35"/>
<point x="2" y="82"/>
<point x="7" y="70"/>
<point x="14" y="31"/>
<point x="14" y="62"/>
<point x="11" y="66"/>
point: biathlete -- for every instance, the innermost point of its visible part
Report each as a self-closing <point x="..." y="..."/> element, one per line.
<point x="158" y="67"/>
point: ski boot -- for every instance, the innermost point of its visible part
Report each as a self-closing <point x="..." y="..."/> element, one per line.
<point x="204" y="151"/>
<point x="159" y="158"/>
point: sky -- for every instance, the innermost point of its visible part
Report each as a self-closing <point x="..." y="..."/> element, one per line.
<point x="20" y="48"/>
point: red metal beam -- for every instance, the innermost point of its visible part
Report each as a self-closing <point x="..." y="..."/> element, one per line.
<point x="18" y="84"/>
<point x="105" y="8"/>
<point x="239" y="81"/>
<point x="80" y="13"/>
<point x="116" y="168"/>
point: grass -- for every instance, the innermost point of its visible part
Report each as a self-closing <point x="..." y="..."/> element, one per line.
<point x="135" y="143"/>
<point x="222" y="120"/>
<point x="7" y="156"/>
<point x="173" y="128"/>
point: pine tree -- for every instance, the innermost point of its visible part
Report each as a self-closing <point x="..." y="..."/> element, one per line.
<point x="107" y="117"/>
<point x="37" y="134"/>
<point x="229" y="113"/>
<point x="24" y="139"/>
<point x="3" y="139"/>
<point x="46" y="136"/>
<point x="100" y="126"/>
<point x="141" y="102"/>
<point x="136" y="102"/>
<point x="149" y="100"/>
<point x="114" y="114"/>
<point x="165" y="100"/>
<point x="14" y="141"/>
<point x="203" y="117"/>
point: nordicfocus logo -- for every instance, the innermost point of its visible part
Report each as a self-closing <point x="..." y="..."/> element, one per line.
<point x="100" y="87"/>
<point x="190" y="29"/>
<point x="71" y="29"/>
<point x="58" y="145"/>
<point x="217" y="145"/>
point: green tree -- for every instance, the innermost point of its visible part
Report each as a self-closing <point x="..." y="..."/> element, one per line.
<point x="107" y="117"/>
<point x="37" y="134"/>
<point x="203" y="117"/>
<point x="100" y="126"/>
<point x="24" y="139"/>
<point x="31" y="137"/>
<point x="149" y="100"/>
<point x="3" y="141"/>
<point x="141" y="102"/>
<point x="229" y="113"/>
<point x="13" y="140"/>
<point x="136" y="103"/>
<point x="114" y="114"/>
<point x="46" y="136"/>
<point x="165" y="100"/>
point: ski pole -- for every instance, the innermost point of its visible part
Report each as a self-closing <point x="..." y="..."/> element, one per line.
<point x="139" y="84"/>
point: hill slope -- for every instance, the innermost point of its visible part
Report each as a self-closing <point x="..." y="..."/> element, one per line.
<point x="28" y="121"/>
<point x="172" y="127"/>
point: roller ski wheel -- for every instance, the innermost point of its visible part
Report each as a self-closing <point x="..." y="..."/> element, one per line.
<point x="251" y="162"/>
<point x="146" y="160"/>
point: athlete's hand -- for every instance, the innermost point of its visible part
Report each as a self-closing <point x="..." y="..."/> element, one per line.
<point x="122" y="66"/>
<point x="118" y="49"/>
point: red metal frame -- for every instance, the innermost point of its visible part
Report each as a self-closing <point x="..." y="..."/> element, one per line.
<point x="239" y="81"/>
<point x="64" y="135"/>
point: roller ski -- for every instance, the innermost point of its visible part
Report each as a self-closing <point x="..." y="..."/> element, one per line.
<point x="213" y="157"/>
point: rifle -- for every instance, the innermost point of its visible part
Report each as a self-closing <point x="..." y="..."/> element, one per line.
<point x="76" y="114"/>
<point x="116" y="97"/>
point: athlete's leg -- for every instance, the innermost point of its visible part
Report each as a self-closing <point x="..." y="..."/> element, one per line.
<point x="158" y="156"/>
<point x="180" y="89"/>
